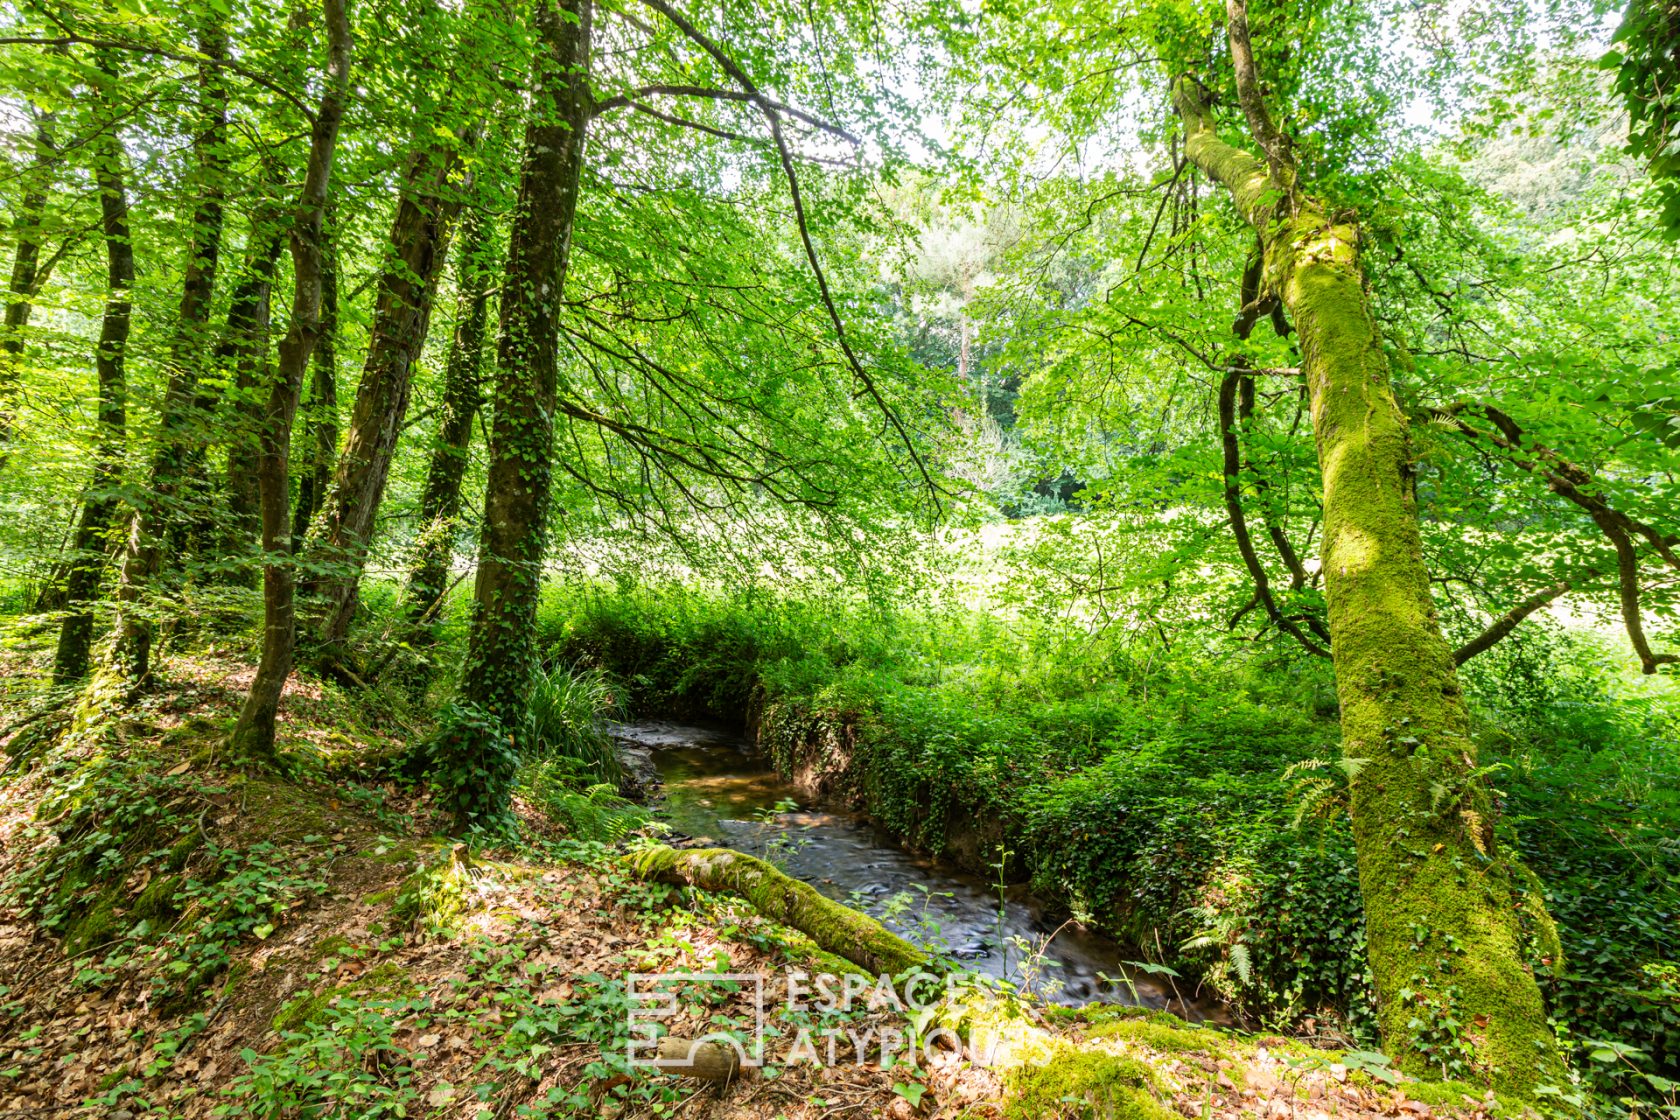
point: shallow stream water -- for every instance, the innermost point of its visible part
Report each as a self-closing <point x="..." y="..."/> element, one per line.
<point x="712" y="787"/>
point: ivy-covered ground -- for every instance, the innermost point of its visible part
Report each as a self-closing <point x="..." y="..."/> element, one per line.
<point x="183" y="940"/>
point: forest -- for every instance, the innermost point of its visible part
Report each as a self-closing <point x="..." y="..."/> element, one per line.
<point x="1159" y="518"/>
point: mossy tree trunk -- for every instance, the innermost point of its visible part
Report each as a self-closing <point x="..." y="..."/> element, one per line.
<point x="102" y="504"/>
<point x="179" y="425"/>
<point x="476" y="769"/>
<point x="419" y="244"/>
<point x="835" y="927"/>
<point x="440" y="501"/>
<point x="1445" y="924"/>
<point x="28" y="275"/>
<point x="322" y="413"/>
<point x="253" y="736"/>
<point x="243" y="352"/>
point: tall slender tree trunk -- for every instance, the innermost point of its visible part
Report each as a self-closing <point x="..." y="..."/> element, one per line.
<point x="27" y="277"/>
<point x="322" y="423"/>
<point x="253" y="735"/>
<point x="440" y="501"/>
<point x="1445" y="925"/>
<point x="102" y="505"/>
<point x="245" y="349"/>
<point x="407" y="288"/>
<point x="180" y="427"/>
<point x="477" y="769"/>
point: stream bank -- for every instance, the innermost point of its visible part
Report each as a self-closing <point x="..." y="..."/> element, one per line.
<point x="712" y="788"/>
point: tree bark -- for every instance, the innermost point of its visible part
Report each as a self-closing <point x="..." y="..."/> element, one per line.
<point x="476" y="770"/>
<point x="253" y="736"/>
<point x="180" y="425"/>
<point x="28" y="276"/>
<point x="322" y="424"/>
<point x="102" y="504"/>
<point x="244" y="349"/>
<point x="1445" y="922"/>
<point x="407" y="287"/>
<point x="440" y="501"/>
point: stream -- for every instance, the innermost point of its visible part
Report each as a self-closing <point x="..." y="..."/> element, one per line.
<point x="713" y="789"/>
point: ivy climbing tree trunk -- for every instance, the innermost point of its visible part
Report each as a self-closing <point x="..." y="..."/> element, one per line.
<point x="322" y="424"/>
<point x="1445" y="911"/>
<point x="419" y="244"/>
<point x="253" y="735"/>
<point x="179" y="425"/>
<point x="28" y="275"/>
<point x="102" y="505"/>
<point x="475" y="769"/>
<point x="440" y="501"/>
<point x="217" y="418"/>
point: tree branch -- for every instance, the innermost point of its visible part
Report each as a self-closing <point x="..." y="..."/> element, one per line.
<point x="629" y="100"/>
<point x="1507" y="622"/>
<point x="772" y="114"/>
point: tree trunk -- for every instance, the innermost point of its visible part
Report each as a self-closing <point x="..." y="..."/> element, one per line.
<point x="27" y="277"/>
<point x="419" y="243"/>
<point x="322" y="424"/>
<point x="1444" y="924"/>
<point x="476" y="769"/>
<point x="440" y="501"/>
<point x="253" y="736"/>
<point x="245" y="349"/>
<point x="180" y="426"/>
<point x="101" y="506"/>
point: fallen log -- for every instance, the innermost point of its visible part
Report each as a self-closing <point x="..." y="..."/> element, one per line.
<point x="836" y="928"/>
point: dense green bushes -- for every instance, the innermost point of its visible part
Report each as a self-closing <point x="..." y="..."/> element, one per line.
<point x="1152" y="799"/>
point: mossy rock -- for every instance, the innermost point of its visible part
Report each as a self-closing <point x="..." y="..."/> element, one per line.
<point x="389" y="981"/>
<point x="1164" y="1037"/>
<point x="1077" y="1085"/>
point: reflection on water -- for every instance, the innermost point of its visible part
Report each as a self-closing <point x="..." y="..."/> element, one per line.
<point x="714" y="788"/>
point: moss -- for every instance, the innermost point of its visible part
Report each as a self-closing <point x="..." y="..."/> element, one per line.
<point x="1108" y="1012"/>
<point x="237" y="973"/>
<point x="1082" y="1084"/>
<point x="389" y="981"/>
<point x="1460" y="1095"/>
<point x="833" y="926"/>
<point x="158" y="897"/>
<point x="1444" y="935"/>
<point x="1161" y="1036"/>
<point x="394" y="853"/>
<point x="98" y="924"/>
<point x="436" y="895"/>
<point x="996" y="1030"/>
<point x="181" y="851"/>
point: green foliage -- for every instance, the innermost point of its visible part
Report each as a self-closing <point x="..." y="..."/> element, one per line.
<point x="133" y="880"/>
<point x="1191" y="807"/>
<point x="567" y="712"/>
<point x="587" y="810"/>
<point x="472" y="760"/>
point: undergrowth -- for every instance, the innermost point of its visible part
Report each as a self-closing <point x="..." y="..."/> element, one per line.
<point x="1186" y="800"/>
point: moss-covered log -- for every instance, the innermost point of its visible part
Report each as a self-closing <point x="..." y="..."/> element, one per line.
<point x="1445" y="921"/>
<point x="836" y="928"/>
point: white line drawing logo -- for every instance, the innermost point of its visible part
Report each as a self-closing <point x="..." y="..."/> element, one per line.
<point x="652" y="997"/>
